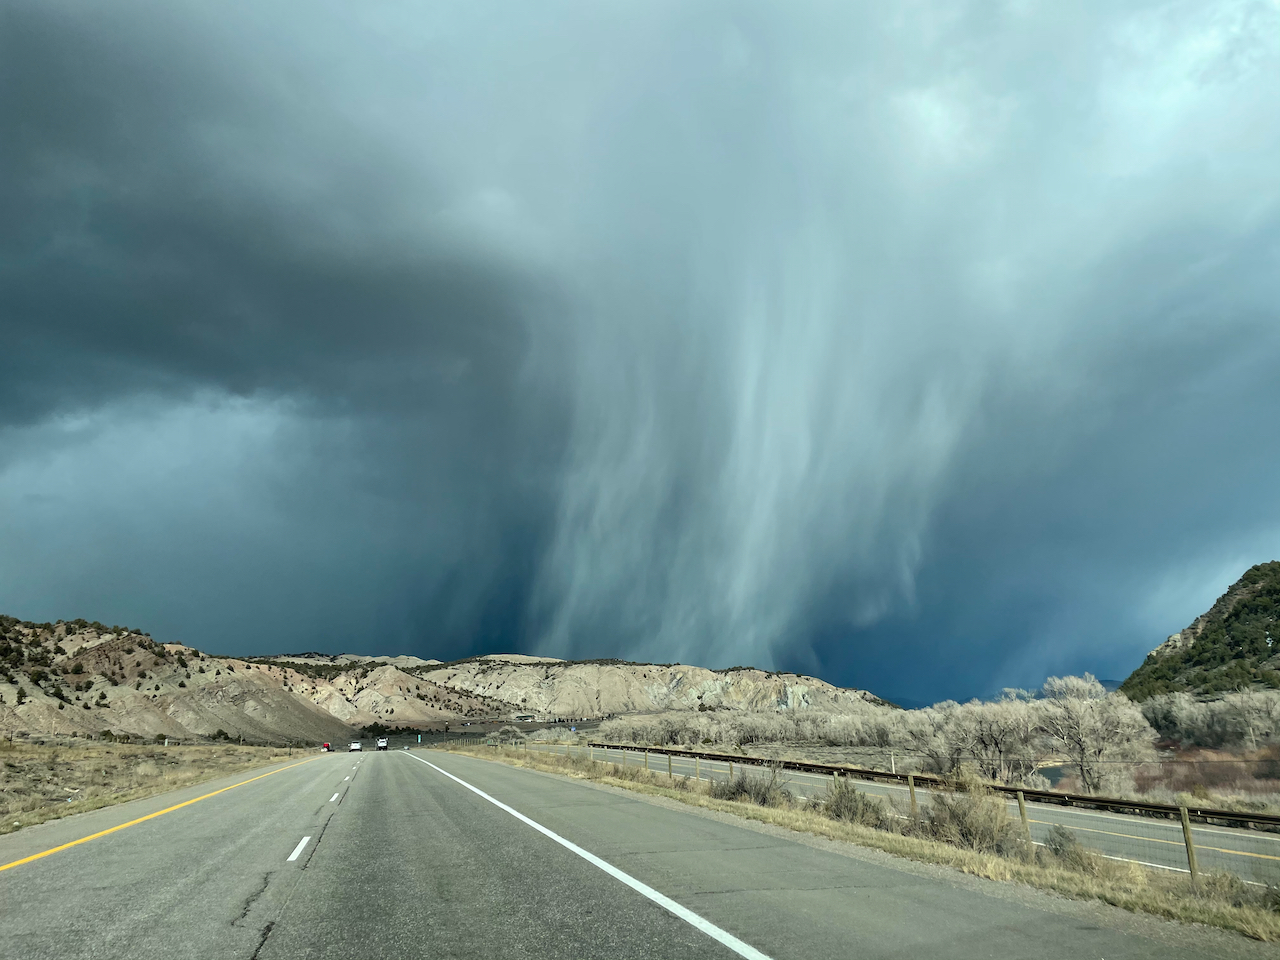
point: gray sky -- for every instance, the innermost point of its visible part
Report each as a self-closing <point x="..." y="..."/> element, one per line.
<point x="928" y="347"/>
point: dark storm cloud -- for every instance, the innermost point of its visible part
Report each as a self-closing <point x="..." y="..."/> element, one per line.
<point x="169" y="217"/>
<point x="930" y="351"/>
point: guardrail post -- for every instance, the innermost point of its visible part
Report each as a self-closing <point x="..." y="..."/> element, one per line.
<point x="911" y="786"/>
<point x="1191" y="847"/>
<point x="1022" y="812"/>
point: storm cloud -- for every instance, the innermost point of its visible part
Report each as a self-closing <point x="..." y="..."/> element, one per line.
<point x="928" y="348"/>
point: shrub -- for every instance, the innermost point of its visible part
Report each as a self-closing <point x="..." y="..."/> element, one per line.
<point x="844" y="802"/>
<point x="767" y="792"/>
<point x="1062" y="844"/>
<point x="972" y="817"/>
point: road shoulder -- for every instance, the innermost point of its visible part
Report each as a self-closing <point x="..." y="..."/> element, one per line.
<point x="1209" y="941"/>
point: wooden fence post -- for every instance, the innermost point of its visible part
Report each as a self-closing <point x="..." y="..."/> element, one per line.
<point x="911" y="786"/>
<point x="1191" y="847"/>
<point x="670" y="776"/>
<point x="697" y="768"/>
<point x="1022" y="812"/>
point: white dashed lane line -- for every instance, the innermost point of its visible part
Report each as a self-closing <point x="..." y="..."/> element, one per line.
<point x="333" y="798"/>
<point x="297" y="851"/>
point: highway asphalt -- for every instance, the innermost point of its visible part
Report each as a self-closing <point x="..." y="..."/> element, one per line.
<point x="1253" y="855"/>
<point x="425" y="854"/>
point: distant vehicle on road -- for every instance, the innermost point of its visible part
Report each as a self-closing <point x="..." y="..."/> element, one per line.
<point x="355" y="745"/>
<point x="382" y="743"/>
<point x="325" y="748"/>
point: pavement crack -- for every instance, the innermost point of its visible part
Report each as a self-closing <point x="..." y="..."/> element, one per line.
<point x="316" y="846"/>
<point x="266" y="932"/>
<point x="252" y="899"/>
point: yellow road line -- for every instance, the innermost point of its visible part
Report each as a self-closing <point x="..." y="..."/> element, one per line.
<point x="149" y="816"/>
<point x="1176" y="843"/>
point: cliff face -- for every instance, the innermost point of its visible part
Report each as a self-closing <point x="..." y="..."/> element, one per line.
<point x="556" y="688"/>
<point x="1234" y="644"/>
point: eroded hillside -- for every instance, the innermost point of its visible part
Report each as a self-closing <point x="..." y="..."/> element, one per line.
<point x="81" y="677"/>
<point x="558" y="688"/>
<point x="87" y="678"/>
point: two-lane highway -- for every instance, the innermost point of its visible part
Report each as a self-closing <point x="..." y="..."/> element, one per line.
<point x="426" y="854"/>
<point x="1149" y="841"/>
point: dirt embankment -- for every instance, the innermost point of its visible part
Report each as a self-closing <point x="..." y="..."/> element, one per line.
<point x="44" y="782"/>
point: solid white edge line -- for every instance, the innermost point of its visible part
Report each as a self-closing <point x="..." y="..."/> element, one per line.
<point x="333" y="798"/>
<point x="739" y="947"/>
<point x="297" y="851"/>
<point x="1105" y="856"/>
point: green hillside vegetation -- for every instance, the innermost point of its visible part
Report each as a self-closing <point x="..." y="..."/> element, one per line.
<point x="1233" y="645"/>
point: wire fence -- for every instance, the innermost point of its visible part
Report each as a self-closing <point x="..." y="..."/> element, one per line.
<point x="1178" y="839"/>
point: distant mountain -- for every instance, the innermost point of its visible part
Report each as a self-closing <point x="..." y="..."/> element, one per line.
<point x="82" y="677"/>
<point x="600" y="688"/>
<point x="1235" y="644"/>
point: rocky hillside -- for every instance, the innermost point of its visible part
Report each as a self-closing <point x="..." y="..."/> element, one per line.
<point x="81" y="677"/>
<point x="86" y="678"/>
<point x="558" y="688"/>
<point x="1234" y="645"/>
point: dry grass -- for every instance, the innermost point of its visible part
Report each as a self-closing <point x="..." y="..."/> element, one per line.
<point x="1218" y="900"/>
<point x="39" y="783"/>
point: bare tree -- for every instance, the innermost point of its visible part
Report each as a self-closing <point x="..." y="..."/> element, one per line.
<point x="1094" y="728"/>
<point x="1002" y="738"/>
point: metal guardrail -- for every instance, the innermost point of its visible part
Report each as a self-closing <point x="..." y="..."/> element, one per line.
<point x="1112" y="804"/>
